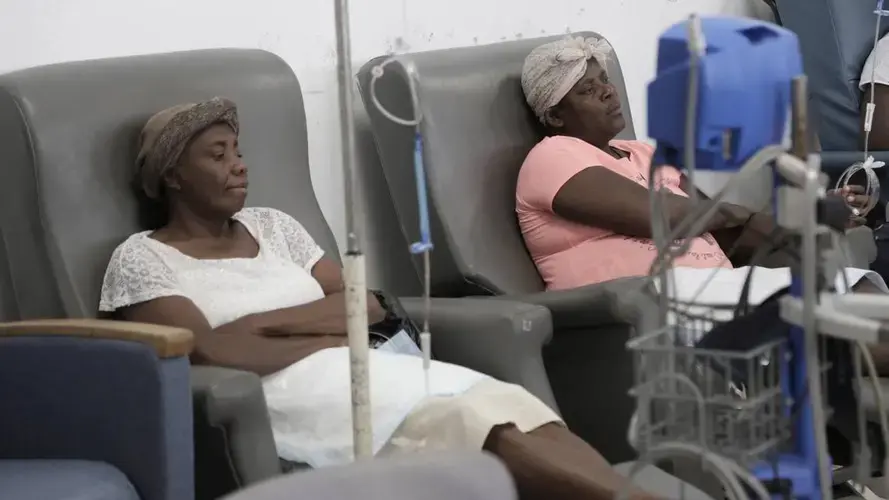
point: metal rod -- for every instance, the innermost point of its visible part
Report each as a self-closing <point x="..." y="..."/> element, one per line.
<point x="809" y="267"/>
<point x="353" y="263"/>
<point x="347" y="119"/>
<point x="799" y="120"/>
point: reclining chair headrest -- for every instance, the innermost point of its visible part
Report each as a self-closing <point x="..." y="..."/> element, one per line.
<point x="69" y="133"/>
<point x="476" y="130"/>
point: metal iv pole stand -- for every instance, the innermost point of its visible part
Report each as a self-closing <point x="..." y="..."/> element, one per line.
<point x="353" y="261"/>
<point x="811" y="440"/>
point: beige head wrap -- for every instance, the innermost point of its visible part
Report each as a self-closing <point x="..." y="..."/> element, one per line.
<point x="166" y="134"/>
<point x="553" y="68"/>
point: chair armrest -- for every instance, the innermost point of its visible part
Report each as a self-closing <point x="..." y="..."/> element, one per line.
<point x="103" y="391"/>
<point x="588" y="364"/>
<point x="469" y="475"/>
<point x="501" y="338"/>
<point x="601" y="304"/>
<point x="167" y="342"/>
<point x="231" y="404"/>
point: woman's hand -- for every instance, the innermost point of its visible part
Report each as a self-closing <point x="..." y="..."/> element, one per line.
<point x="855" y="197"/>
<point x="731" y="216"/>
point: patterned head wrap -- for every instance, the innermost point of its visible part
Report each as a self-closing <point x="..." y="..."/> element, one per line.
<point x="552" y="69"/>
<point x="167" y="133"/>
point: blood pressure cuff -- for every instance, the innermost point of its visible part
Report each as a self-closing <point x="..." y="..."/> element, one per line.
<point x="764" y="325"/>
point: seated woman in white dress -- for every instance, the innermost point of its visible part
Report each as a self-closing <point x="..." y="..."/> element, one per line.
<point x="259" y="295"/>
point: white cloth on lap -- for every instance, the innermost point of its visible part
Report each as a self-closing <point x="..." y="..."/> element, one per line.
<point x="311" y="411"/>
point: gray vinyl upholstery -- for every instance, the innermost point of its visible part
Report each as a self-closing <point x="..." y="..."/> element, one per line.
<point x="68" y="133"/>
<point x="463" y="476"/>
<point x="476" y="132"/>
<point x="836" y="37"/>
<point x="434" y="476"/>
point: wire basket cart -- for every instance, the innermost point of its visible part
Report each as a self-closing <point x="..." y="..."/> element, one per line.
<point x="729" y="402"/>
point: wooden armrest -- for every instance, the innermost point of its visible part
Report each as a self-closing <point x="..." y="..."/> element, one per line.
<point x="168" y="342"/>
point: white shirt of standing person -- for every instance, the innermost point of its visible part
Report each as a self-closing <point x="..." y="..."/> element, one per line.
<point x="880" y="73"/>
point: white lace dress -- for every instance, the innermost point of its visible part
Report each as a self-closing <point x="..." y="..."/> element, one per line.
<point x="309" y="402"/>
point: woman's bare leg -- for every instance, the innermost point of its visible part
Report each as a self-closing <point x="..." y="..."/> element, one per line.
<point x="551" y="463"/>
<point x="880" y="352"/>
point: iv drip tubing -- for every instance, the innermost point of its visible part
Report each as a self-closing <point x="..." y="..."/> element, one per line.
<point x="867" y="164"/>
<point x="661" y="227"/>
<point x="873" y="73"/>
<point x="424" y="246"/>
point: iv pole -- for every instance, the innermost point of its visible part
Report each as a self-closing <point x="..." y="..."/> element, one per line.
<point x="353" y="261"/>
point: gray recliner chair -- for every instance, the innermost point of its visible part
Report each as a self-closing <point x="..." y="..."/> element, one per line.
<point x="433" y="476"/>
<point x="68" y="134"/>
<point x="476" y="132"/>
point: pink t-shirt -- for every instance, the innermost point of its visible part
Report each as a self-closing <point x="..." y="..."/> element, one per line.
<point x="568" y="254"/>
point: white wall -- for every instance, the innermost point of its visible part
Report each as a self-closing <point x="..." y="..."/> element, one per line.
<point x="35" y="32"/>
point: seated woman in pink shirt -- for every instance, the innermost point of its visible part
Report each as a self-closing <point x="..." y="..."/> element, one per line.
<point x="582" y="195"/>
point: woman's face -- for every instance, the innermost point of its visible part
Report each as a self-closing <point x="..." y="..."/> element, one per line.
<point x="211" y="175"/>
<point x="591" y="109"/>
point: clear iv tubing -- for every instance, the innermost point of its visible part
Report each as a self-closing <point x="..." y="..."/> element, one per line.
<point x="424" y="245"/>
<point x="869" y="109"/>
<point x="663" y="241"/>
<point x="867" y="163"/>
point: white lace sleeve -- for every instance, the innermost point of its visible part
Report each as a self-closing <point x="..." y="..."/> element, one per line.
<point x="135" y="274"/>
<point x="289" y="238"/>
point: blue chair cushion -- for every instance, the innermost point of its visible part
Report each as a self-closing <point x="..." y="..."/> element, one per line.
<point x="64" y="480"/>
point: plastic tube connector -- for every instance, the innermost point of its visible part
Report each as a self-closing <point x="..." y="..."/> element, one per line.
<point x="421" y="247"/>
